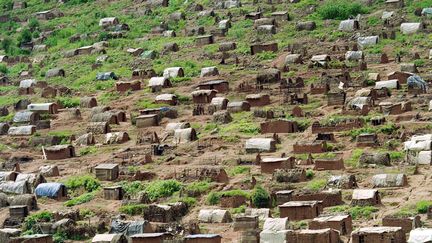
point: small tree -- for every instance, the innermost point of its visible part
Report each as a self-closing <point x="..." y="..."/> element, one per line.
<point x="25" y="37"/>
<point x="260" y="197"/>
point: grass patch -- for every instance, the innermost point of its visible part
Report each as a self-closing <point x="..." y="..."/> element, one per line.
<point x="133" y="209"/>
<point x="340" y="10"/>
<point x="162" y="188"/>
<point x="238" y="170"/>
<point x="88" y="150"/>
<point x="355" y="156"/>
<point x="214" y="197"/>
<point x="316" y="184"/>
<point x="86" y="197"/>
<point x="357" y="212"/>
<point x="197" y="188"/>
<point x="87" y="183"/>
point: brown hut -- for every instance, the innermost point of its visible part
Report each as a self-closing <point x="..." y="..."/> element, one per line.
<point x="378" y="235"/>
<point x="203" y="96"/>
<point x="203" y="238"/>
<point x="144" y="121"/>
<point x="58" y="152"/>
<point x="98" y="128"/>
<point x="341" y="223"/>
<point x="300" y="210"/>
<point x="113" y="193"/>
<point x="221" y="86"/>
<point x="365" y="197"/>
<point x="258" y="99"/>
<point x="269" y="165"/>
<point x="88" y="102"/>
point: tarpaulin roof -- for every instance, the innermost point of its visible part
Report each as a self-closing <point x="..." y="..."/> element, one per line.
<point x="420" y="235"/>
<point x="48" y="189"/>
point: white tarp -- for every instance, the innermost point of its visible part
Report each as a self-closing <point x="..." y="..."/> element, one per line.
<point x="276" y="224"/>
<point x="173" y="72"/>
<point x="172" y="126"/>
<point x="424" y="157"/>
<point x="410" y="28"/>
<point x="262" y="213"/>
<point x="353" y="55"/>
<point x="261" y="144"/>
<point x="214" y="216"/>
<point x="389" y="84"/>
<point x="420" y="235"/>
<point x="362" y="194"/>
<point x="367" y="41"/>
<point x="269" y="236"/>
<point x="348" y="25"/>
<point x="389" y="180"/>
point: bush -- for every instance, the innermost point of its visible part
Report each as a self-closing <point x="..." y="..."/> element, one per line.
<point x="25" y="37"/>
<point x="237" y="170"/>
<point x="357" y="212"/>
<point x="159" y="188"/>
<point x="3" y="68"/>
<point x="198" y="187"/>
<point x="213" y="198"/>
<point x="86" y="182"/>
<point x="309" y="174"/>
<point x="33" y="23"/>
<point x="132" y="188"/>
<point x="340" y="10"/>
<point x="317" y="184"/>
<point x="31" y="220"/>
<point x="260" y="197"/>
<point x="69" y="102"/>
<point x="422" y="206"/>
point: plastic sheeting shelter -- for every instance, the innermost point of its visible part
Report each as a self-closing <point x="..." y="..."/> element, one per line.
<point x="260" y="145"/>
<point x="106" y="76"/>
<point x="420" y="235"/>
<point x="416" y="81"/>
<point x="128" y="228"/>
<point x="51" y="190"/>
<point x="20" y="187"/>
<point x="367" y="41"/>
<point x="389" y="180"/>
<point x="410" y="28"/>
<point x="214" y="216"/>
<point x="389" y="84"/>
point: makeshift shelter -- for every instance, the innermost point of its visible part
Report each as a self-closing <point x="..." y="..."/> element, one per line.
<point x="150" y="237"/>
<point x="157" y="83"/>
<point x="203" y="96"/>
<point x="219" y="103"/>
<point x="367" y="41"/>
<point x="274" y="230"/>
<point x="209" y="71"/>
<point x="306" y="25"/>
<point x="106" y="76"/>
<point x="52" y="190"/>
<point x="389" y="180"/>
<point x="411" y="28"/>
<point x="378" y="158"/>
<point x="172" y="126"/>
<point x="416" y="82"/>
<point x="262" y="213"/>
<point x="85" y="140"/>
<point x="315" y="235"/>
<point x="222" y="117"/>
<point x="378" y="235"/>
<point x="32" y="178"/>
<point x="203" y="238"/>
<point x="49" y="170"/>
<point x="420" y="235"/>
<point x="144" y="121"/>
<point x="214" y="216"/>
<point x="221" y="86"/>
<point x="26" y="117"/>
<point x="107" y="117"/>
<point x="293" y="59"/>
<point x="22" y="131"/>
<point x="267" y="76"/>
<point x="57" y="152"/>
<point x="300" y="210"/>
<point x="109" y="238"/>
<point x="20" y="187"/>
<point x="238" y="106"/>
<point x="185" y="135"/>
<point x="279" y="126"/>
<point x="349" y="25"/>
<point x="113" y="193"/>
<point x="27" y="83"/>
<point x="258" y="99"/>
<point x="170" y="99"/>
<point x="269" y="165"/>
<point x="173" y="72"/>
<point x="341" y="223"/>
<point x="389" y="84"/>
<point x="365" y="197"/>
<point x="116" y="137"/>
<point x="107" y="172"/>
<point x="25" y="199"/>
<point x="320" y="60"/>
<point x="88" y="102"/>
<point x="56" y="72"/>
<point x="289" y="175"/>
<point x="407" y="223"/>
<point x="254" y="145"/>
<point x="8" y="175"/>
<point x="50" y="108"/>
<point x="354" y="55"/>
<point x="4" y="128"/>
<point x="129" y="228"/>
<point x="108" y="21"/>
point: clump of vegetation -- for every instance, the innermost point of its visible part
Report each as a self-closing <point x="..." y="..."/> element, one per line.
<point x="340" y="10"/>
<point x="260" y="197"/>
<point x="422" y="206"/>
<point x="133" y="209"/>
<point x="162" y="188"/>
<point x="356" y="212"/>
<point x="84" y="182"/>
<point x="197" y="188"/>
<point x="87" y="150"/>
<point x="316" y="184"/>
<point x="69" y="102"/>
<point x="30" y="222"/>
<point x="214" y="197"/>
<point x="354" y="159"/>
<point x="309" y="174"/>
<point x="132" y="188"/>
<point x="86" y="197"/>
<point x="237" y="170"/>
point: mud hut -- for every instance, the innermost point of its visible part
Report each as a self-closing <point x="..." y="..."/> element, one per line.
<point x="98" y="127"/>
<point x="377" y="158"/>
<point x="49" y="170"/>
<point x="169" y="99"/>
<point x="157" y="83"/>
<point x="4" y="128"/>
<point x="365" y="197"/>
<point x="342" y="182"/>
<point x="203" y="96"/>
<point x="378" y="235"/>
<point x="300" y="210"/>
<point x="144" y="121"/>
<point x="269" y="165"/>
<point x="222" y="117"/>
<point x="88" y="102"/>
<point x="25" y="199"/>
<point x="58" y="152"/>
<point x="258" y="99"/>
<point x="173" y="72"/>
<point x="341" y="223"/>
<point x="85" y="140"/>
<point x="221" y="86"/>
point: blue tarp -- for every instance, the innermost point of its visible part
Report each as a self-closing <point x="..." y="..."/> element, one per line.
<point x="48" y="189"/>
<point x="417" y="81"/>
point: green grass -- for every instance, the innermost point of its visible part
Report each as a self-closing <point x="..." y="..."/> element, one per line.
<point x="238" y="170"/>
<point x="243" y="122"/>
<point x="133" y="209"/>
<point x="354" y="159"/>
<point x="340" y="10"/>
<point x="316" y="184"/>
<point x="214" y="197"/>
<point x="162" y="188"/>
<point x="198" y="187"/>
<point x="81" y="199"/>
<point x="88" y="150"/>
<point x="357" y="212"/>
<point x="422" y="206"/>
<point x="132" y="188"/>
<point x="87" y="183"/>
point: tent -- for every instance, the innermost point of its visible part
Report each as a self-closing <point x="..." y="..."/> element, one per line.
<point x="214" y="216"/>
<point x="367" y="41"/>
<point x="410" y="28"/>
<point x="20" y="187"/>
<point x="260" y="145"/>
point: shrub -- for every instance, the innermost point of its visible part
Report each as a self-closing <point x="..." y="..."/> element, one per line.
<point x="33" y="23"/>
<point x="214" y="197"/>
<point x="25" y="36"/>
<point x="86" y="182"/>
<point x="317" y="184"/>
<point x="422" y="206"/>
<point x="357" y="212"/>
<point x="340" y="10"/>
<point x="198" y="187"/>
<point x="3" y="68"/>
<point x="260" y="197"/>
<point x="69" y="102"/>
<point x="132" y="188"/>
<point x="87" y="150"/>
<point x="31" y="220"/>
<point x="309" y="174"/>
<point x="159" y="188"/>
<point x="238" y="210"/>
